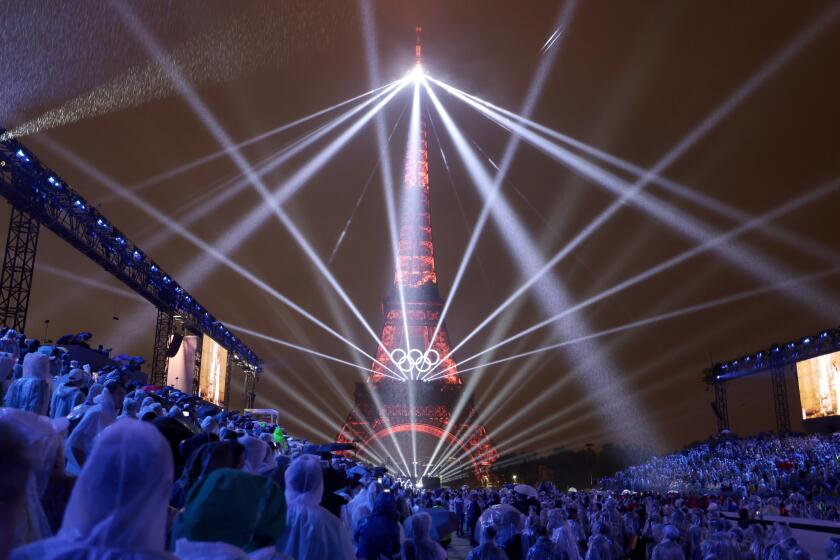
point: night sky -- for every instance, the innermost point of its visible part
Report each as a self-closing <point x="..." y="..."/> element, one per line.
<point x="630" y="78"/>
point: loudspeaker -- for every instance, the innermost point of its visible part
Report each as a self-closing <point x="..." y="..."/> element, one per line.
<point x="174" y="345"/>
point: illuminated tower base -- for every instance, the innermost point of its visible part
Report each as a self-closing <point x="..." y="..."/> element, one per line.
<point x="416" y="430"/>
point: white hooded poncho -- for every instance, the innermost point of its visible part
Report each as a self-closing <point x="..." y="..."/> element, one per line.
<point x="32" y="391"/>
<point x="118" y="506"/>
<point x="259" y="457"/>
<point x="66" y="396"/>
<point x="81" y="440"/>
<point x="43" y="448"/>
<point x="311" y="532"/>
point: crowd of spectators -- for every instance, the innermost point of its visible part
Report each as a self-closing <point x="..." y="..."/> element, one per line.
<point x="98" y="464"/>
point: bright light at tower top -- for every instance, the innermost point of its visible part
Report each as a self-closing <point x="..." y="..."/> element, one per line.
<point x="417" y="73"/>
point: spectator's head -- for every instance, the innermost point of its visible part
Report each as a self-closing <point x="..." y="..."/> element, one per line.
<point x="420" y="525"/>
<point x="131" y="406"/>
<point x="7" y="365"/>
<point x="304" y="482"/>
<point x="75" y="378"/>
<point x="121" y="497"/>
<point x="488" y="534"/>
<point x="210" y="425"/>
<point x="36" y="365"/>
<point x="671" y="533"/>
<point x="117" y="391"/>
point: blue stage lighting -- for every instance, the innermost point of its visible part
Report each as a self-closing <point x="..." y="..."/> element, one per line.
<point x="79" y="204"/>
<point x="153" y="268"/>
<point x="166" y="279"/>
<point x="53" y="181"/>
<point x="791" y="345"/>
<point x="120" y="240"/>
<point x="22" y="155"/>
<point x="101" y="223"/>
<point x="138" y="256"/>
<point x="806" y="340"/>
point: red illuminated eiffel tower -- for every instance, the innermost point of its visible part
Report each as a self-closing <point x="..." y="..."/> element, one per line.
<point x="412" y="311"/>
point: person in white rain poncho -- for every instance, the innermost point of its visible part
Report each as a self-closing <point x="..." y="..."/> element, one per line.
<point x="43" y="448"/>
<point x="94" y="391"/>
<point x="259" y="457"/>
<point x="118" y="507"/>
<point x="601" y="547"/>
<point x="311" y="532"/>
<point x="421" y="546"/>
<point x="130" y="409"/>
<point x="7" y="366"/>
<point x="32" y="391"/>
<point x="361" y="505"/>
<point x="669" y="548"/>
<point x="210" y="425"/>
<point x="68" y="395"/>
<point x="488" y="550"/>
<point x="98" y="417"/>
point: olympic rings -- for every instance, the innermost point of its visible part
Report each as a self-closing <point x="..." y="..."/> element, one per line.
<point x="415" y="361"/>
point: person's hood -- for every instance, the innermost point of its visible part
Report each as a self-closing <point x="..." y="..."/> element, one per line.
<point x="93" y="392"/>
<point x="75" y="375"/>
<point x="7" y="365"/>
<point x="304" y="482"/>
<point x="209" y="424"/>
<point x="36" y="365"/>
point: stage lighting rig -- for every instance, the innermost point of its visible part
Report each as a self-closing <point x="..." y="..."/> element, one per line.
<point x="775" y="356"/>
<point x="33" y="188"/>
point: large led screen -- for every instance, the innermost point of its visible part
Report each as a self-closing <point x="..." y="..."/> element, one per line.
<point x="212" y="386"/>
<point x="180" y="367"/>
<point x="819" y="386"/>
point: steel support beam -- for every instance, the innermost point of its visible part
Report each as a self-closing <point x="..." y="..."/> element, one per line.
<point x="251" y="379"/>
<point x="164" y="327"/>
<point x="228" y="369"/>
<point x="18" y="266"/>
<point x="721" y="406"/>
<point x="780" y="400"/>
<point x="196" y="378"/>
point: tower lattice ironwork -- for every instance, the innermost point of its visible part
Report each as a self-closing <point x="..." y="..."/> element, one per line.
<point x="411" y="342"/>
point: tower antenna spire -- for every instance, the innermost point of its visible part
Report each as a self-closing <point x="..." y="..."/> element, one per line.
<point x="418" y="50"/>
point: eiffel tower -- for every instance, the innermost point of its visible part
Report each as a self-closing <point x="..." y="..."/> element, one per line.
<point x="406" y="346"/>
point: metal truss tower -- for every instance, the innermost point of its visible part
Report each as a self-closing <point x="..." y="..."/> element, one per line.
<point x="18" y="266"/>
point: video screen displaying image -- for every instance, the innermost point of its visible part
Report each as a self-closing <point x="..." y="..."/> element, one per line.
<point x="819" y="386"/>
<point x="213" y="369"/>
